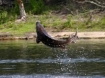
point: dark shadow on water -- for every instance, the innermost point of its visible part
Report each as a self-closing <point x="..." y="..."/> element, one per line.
<point x="30" y="60"/>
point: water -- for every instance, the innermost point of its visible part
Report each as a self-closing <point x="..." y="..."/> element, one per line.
<point x="26" y="59"/>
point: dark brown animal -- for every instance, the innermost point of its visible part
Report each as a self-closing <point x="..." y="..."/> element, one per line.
<point x="45" y="38"/>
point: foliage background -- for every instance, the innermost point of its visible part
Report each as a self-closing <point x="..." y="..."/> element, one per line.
<point x="57" y="15"/>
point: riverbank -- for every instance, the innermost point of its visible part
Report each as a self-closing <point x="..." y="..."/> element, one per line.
<point x="83" y="35"/>
<point x="56" y="35"/>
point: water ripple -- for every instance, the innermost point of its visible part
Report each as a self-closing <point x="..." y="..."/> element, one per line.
<point x="61" y="60"/>
<point x="48" y="76"/>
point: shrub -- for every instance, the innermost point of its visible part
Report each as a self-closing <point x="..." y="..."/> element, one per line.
<point x="37" y="6"/>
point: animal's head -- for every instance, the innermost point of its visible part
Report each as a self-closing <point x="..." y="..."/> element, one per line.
<point x="38" y="23"/>
<point x="74" y="37"/>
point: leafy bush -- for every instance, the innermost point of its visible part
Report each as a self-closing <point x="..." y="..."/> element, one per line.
<point x="37" y="6"/>
<point x="68" y="23"/>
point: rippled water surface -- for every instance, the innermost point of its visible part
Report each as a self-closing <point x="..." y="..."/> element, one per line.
<point x="26" y="59"/>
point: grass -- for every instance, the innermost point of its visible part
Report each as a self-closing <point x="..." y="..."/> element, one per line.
<point x="19" y="28"/>
<point x="55" y="22"/>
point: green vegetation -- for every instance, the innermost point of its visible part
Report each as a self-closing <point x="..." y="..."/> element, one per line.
<point x="55" y="22"/>
<point x="37" y="7"/>
<point x="50" y="19"/>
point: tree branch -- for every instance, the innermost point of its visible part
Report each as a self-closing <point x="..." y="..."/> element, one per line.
<point x="96" y="2"/>
<point x="92" y="2"/>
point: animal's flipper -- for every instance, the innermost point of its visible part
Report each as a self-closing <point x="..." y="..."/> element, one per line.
<point x="74" y="37"/>
<point x="76" y="33"/>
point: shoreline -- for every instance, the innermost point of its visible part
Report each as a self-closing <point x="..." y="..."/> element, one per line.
<point x="55" y="35"/>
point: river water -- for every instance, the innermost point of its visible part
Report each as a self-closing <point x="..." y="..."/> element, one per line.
<point x="26" y="59"/>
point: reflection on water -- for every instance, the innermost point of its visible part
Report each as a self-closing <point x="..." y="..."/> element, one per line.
<point x="25" y="59"/>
